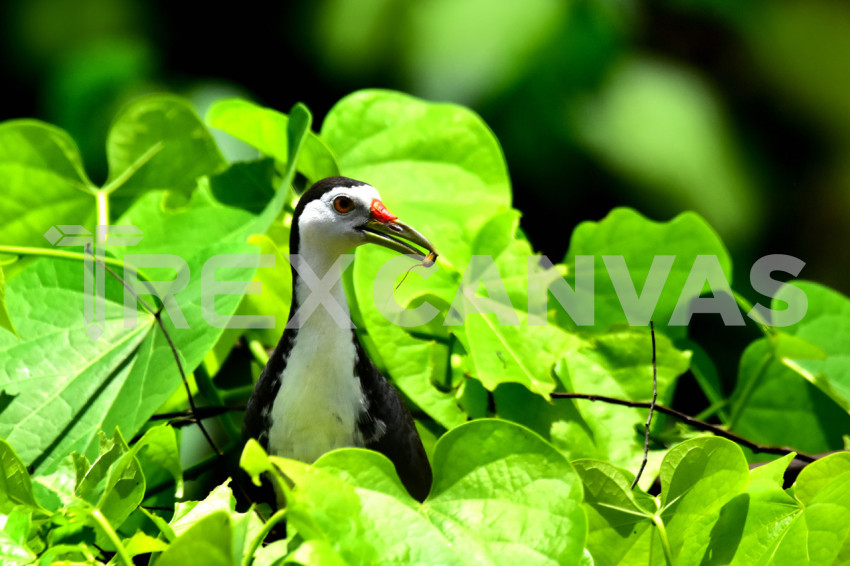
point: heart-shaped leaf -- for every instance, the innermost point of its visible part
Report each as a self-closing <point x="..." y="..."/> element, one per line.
<point x="501" y="495"/>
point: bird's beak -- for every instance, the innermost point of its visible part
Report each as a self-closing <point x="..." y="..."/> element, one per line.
<point x="386" y="230"/>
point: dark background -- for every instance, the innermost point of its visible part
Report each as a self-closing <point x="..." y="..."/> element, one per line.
<point x="737" y="110"/>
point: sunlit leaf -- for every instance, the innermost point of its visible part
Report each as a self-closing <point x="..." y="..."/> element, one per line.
<point x="698" y="477"/>
<point x="641" y="243"/>
<point x="16" y="486"/>
<point x="501" y="495"/>
<point x="206" y="542"/>
<point x="43" y="182"/>
<point x="14" y="532"/>
<point x="265" y="129"/>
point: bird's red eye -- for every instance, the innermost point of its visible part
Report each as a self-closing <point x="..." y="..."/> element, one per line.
<point x="343" y="204"/>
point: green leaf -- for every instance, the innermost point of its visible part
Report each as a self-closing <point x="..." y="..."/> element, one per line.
<point x="57" y="489"/>
<point x="753" y="523"/>
<point x="159" y="448"/>
<point x="277" y="284"/>
<point x="140" y="543"/>
<point x="15" y="483"/>
<point x="508" y="344"/>
<point x="501" y="495"/>
<point x="437" y="166"/>
<point x="43" y="182"/>
<point x="61" y="380"/>
<point x="246" y="528"/>
<point x="266" y="129"/>
<point x="825" y="324"/>
<point x="772" y="404"/>
<point x="698" y="477"/>
<point x="14" y="532"/>
<point x="823" y="488"/>
<point x="114" y="483"/>
<point x="521" y="354"/>
<point x="207" y="542"/>
<point x="639" y="240"/>
<point x="158" y="143"/>
<point x="310" y="552"/>
<point x="247" y="185"/>
<point x="511" y="487"/>
<point x="254" y="460"/>
<point x="5" y="320"/>
<point x="188" y="514"/>
<point x="816" y="476"/>
<point x="620" y="528"/>
<point x="767" y="525"/>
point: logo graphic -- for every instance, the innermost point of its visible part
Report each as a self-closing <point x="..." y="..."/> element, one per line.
<point x="706" y="289"/>
<point x="66" y="235"/>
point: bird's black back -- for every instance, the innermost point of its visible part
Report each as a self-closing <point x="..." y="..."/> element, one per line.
<point x="400" y="441"/>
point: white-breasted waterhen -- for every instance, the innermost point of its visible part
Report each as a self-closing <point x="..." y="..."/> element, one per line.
<point x="319" y="390"/>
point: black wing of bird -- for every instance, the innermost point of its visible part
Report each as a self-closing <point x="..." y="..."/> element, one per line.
<point x="257" y="423"/>
<point x="388" y="428"/>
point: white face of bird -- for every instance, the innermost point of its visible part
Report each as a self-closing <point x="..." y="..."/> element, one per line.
<point x="346" y="217"/>
<point x="332" y="222"/>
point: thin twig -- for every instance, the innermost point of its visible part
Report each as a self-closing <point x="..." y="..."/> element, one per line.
<point x="701" y="425"/>
<point x="202" y="413"/>
<point x="158" y="317"/>
<point x="651" y="407"/>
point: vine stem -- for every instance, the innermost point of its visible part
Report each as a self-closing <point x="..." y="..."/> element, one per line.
<point x="276" y="518"/>
<point x="113" y="537"/>
<point x="701" y="425"/>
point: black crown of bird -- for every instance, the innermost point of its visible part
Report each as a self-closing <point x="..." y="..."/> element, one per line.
<point x="319" y="390"/>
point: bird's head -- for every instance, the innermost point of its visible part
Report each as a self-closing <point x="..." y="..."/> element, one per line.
<point x="338" y="214"/>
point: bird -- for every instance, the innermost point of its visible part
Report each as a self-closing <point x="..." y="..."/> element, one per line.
<point x="319" y="390"/>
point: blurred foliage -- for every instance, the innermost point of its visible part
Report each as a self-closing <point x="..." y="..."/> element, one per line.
<point x="738" y="111"/>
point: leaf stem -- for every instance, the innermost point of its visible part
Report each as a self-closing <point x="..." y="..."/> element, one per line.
<point x="259" y="352"/>
<point x="132" y="169"/>
<point x="261" y="536"/>
<point x="102" y="202"/>
<point x="747" y="308"/>
<point x="75" y="256"/>
<point x="749" y="388"/>
<point x="112" y="536"/>
<point x="665" y="541"/>
<point x="712" y="409"/>
<point x="60" y="254"/>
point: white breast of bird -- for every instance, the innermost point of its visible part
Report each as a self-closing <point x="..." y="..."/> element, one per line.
<point x="320" y="397"/>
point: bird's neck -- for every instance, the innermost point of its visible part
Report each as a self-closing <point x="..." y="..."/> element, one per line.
<point x="327" y="285"/>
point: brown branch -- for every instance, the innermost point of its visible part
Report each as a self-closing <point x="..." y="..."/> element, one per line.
<point x="651" y="407"/>
<point x="201" y="413"/>
<point x="698" y="424"/>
